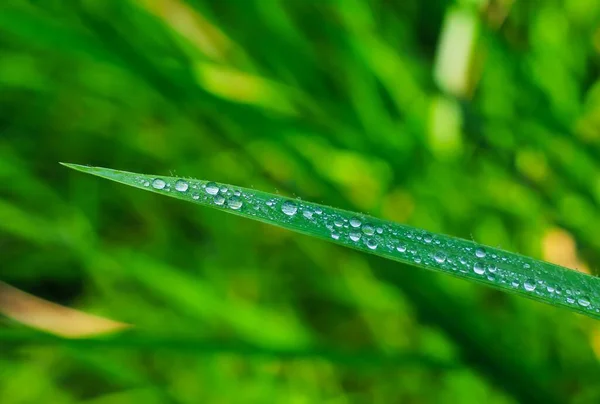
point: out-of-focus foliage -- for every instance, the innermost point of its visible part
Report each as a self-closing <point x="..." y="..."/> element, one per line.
<point x="479" y="119"/>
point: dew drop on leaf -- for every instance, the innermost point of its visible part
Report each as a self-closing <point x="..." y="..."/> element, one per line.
<point x="372" y="243"/>
<point x="529" y="285"/>
<point x="289" y="208"/>
<point x="439" y="257"/>
<point x="158" y="184"/>
<point x="219" y="199"/>
<point x="480" y="252"/>
<point x="181" y="186"/>
<point x="368" y="230"/>
<point x="355" y="222"/>
<point x="478" y="268"/>
<point x="234" y="202"/>
<point x="212" y="188"/>
<point x="354" y="236"/>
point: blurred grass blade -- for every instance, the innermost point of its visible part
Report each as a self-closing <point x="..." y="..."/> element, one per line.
<point x="500" y="269"/>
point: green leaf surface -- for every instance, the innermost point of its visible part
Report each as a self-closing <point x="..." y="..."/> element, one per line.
<point x="465" y="259"/>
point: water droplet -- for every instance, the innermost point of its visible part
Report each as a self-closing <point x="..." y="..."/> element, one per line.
<point x="439" y="257"/>
<point x="379" y="230"/>
<point x="212" y="188"/>
<point x="478" y="268"/>
<point x="354" y="235"/>
<point x="550" y="289"/>
<point x="355" y="222"/>
<point x="526" y="266"/>
<point x="368" y="230"/>
<point x="158" y="184"/>
<point x="146" y="183"/>
<point x="570" y="300"/>
<point x="401" y="248"/>
<point x="529" y="285"/>
<point x="196" y="197"/>
<point x="417" y="260"/>
<point x="289" y="208"/>
<point x="514" y="284"/>
<point x="234" y="202"/>
<point x="237" y="193"/>
<point x="223" y="189"/>
<point x="492" y="268"/>
<point x="372" y="243"/>
<point x="307" y="214"/>
<point x="583" y="301"/>
<point x="480" y="252"/>
<point x="335" y="236"/>
<point x="219" y="199"/>
<point x="181" y="186"/>
<point x="338" y="222"/>
<point x="318" y="211"/>
<point x="428" y="239"/>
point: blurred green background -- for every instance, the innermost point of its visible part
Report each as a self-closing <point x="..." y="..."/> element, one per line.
<point x="474" y="118"/>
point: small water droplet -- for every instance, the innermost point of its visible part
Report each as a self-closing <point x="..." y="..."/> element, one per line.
<point x="338" y="222"/>
<point x="196" y="197"/>
<point x="289" y="208"/>
<point x="550" y="289"/>
<point x="223" y="189"/>
<point x="181" y="186"/>
<point x="428" y="239"/>
<point x="355" y="236"/>
<point x="401" y="248"/>
<point x="335" y="236"/>
<point x="492" y="268"/>
<point x="234" y="202"/>
<point x="480" y="252"/>
<point x="570" y="300"/>
<point x="307" y="214"/>
<point x="379" y="230"/>
<point x="237" y="193"/>
<point x="583" y="301"/>
<point x="417" y="260"/>
<point x="526" y="266"/>
<point x="372" y="243"/>
<point x="368" y="230"/>
<point x="219" y="199"/>
<point x="439" y="257"/>
<point x="158" y="184"/>
<point x="478" y="268"/>
<point x="529" y="285"/>
<point x="355" y="222"/>
<point x="318" y="211"/>
<point x="146" y="183"/>
<point x="212" y="188"/>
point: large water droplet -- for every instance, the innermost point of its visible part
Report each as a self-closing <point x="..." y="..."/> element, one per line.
<point x="478" y="268"/>
<point x="480" y="252"/>
<point x="219" y="199"/>
<point x="354" y="236"/>
<point x="428" y="239"/>
<point x="439" y="257"/>
<point x="355" y="222"/>
<point x="338" y="222"/>
<point x="158" y="184"/>
<point x="583" y="301"/>
<point x="289" y="208"/>
<point x="212" y="188"/>
<point x="529" y="285"/>
<point x="368" y="230"/>
<point x="234" y="202"/>
<point x="181" y="186"/>
<point x="372" y="243"/>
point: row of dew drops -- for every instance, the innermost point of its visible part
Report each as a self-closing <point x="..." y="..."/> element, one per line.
<point x="394" y="240"/>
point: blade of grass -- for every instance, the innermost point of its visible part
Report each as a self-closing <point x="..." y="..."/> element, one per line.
<point x="465" y="259"/>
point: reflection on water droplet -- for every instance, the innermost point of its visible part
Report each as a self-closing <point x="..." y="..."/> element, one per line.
<point x="583" y="301"/>
<point x="529" y="285"/>
<point x="372" y="243"/>
<point x="355" y="222"/>
<point x="212" y="188"/>
<point x="289" y="208"/>
<point x="401" y="248"/>
<point x="318" y="211"/>
<point x="492" y="268"/>
<point x="480" y="252"/>
<point x="428" y="239"/>
<point x="307" y="214"/>
<point x="439" y="257"/>
<point x="223" y="189"/>
<point x="355" y="236"/>
<point x="158" y="184"/>
<point x="570" y="300"/>
<point x="234" y="202"/>
<point x="368" y="230"/>
<point x="181" y="186"/>
<point x="335" y="236"/>
<point x="478" y="268"/>
<point x="550" y="289"/>
<point x="417" y="260"/>
<point x="219" y="199"/>
<point x="196" y="197"/>
<point x="338" y="222"/>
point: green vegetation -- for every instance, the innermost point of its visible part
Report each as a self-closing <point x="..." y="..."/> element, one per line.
<point x="478" y="119"/>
